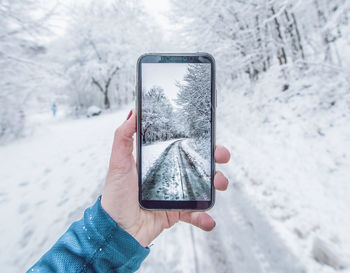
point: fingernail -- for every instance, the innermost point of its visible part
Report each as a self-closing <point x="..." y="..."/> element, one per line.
<point x="130" y="113"/>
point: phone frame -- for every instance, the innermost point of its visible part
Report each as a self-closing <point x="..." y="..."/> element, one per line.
<point x="199" y="205"/>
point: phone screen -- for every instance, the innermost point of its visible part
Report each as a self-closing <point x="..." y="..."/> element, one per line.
<point x="176" y="131"/>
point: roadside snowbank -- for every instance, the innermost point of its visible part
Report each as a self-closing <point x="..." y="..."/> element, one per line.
<point x="151" y="152"/>
<point x="290" y="152"/>
<point x="203" y="163"/>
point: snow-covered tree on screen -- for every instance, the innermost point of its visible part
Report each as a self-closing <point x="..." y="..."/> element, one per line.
<point x="194" y="98"/>
<point x="157" y="116"/>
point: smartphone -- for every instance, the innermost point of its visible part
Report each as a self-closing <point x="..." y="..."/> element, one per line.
<point x="176" y="102"/>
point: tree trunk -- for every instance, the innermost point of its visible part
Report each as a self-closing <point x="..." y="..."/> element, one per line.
<point x="300" y="45"/>
<point x="281" y="54"/>
<point x="292" y="36"/>
<point x="106" y="100"/>
<point x="322" y="20"/>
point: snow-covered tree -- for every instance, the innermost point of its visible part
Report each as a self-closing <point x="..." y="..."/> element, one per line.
<point x="101" y="47"/>
<point x="194" y="98"/>
<point x="22" y="74"/>
<point x="249" y="37"/>
<point x="157" y="116"/>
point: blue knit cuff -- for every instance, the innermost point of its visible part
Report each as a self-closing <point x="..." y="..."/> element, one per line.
<point x="116" y="245"/>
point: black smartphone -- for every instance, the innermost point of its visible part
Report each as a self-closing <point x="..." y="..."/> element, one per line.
<point x="176" y="101"/>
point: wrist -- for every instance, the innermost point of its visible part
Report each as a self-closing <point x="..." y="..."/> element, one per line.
<point x="139" y="235"/>
<point x="136" y="230"/>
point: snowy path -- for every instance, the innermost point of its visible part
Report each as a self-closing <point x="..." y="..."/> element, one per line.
<point x="242" y="241"/>
<point x="174" y="176"/>
<point x="151" y="153"/>
<point x="47" y="180"/>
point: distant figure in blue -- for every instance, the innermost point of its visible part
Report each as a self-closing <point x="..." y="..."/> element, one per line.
<point x="53" y="108"/>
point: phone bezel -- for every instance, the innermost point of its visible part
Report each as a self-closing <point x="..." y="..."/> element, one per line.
<point x="175" y="58"/>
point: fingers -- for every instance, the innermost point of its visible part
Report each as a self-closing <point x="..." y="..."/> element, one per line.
<point x="199" y="219"/>
<point x="123" y="142"/>
<point x="220" y="181"/>
<point x="222" y="155"/>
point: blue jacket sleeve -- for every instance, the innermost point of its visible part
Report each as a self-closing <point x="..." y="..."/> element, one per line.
<point x="93" y="244"/>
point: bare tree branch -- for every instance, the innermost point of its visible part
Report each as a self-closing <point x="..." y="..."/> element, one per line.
<point x="94" y="81"/>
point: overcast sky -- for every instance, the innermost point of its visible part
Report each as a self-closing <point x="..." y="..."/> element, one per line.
<point x="164" y="75"/>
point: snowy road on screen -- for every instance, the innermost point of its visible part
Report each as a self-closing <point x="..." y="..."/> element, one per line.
<point x="175" y="176"/>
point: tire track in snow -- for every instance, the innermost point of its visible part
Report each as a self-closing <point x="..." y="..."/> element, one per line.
<point x="184" y="167"/>
<point x="262" y="241"/>
<point x="174" y="175"/>
<point x="191" y="171"/>
<point x="262" y="248"/>
<point x="156" y="184"/>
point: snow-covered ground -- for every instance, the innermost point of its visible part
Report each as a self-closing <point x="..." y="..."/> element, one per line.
<point x="202" y="162"/>
<point x="47" y="180"/>
<point x="290" y="155"/>
<point x="151" y="153"/>
<point x="289" y="184"/>
<point x="176" y="174"/>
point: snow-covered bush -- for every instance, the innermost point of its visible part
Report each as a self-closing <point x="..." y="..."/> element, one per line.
<point x="93" y="111"/>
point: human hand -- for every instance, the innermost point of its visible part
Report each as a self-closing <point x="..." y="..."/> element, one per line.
<point x="120" y="193"/>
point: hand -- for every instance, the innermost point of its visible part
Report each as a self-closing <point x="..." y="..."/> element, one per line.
<point x="120" y="193"/>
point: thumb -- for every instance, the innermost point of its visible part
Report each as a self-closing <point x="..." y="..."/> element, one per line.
<point x="121" y="157"/>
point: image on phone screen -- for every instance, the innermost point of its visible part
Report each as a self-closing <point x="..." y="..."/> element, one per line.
<point x="176" y="131"/>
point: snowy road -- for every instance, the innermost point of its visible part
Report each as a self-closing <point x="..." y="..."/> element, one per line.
<point x="56" y="182"/>
<point x="175" y="176"/>
<point x="46" y="182"/>
<point x="242" y="241"/>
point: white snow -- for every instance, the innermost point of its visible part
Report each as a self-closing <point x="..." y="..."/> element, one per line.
<point x="173" y="177"/>
<point x="47" y="181"/>
<point x="288" y="185"/>
<point x="93" y="110"/>
<point x="287" y="206"/>
<point x="327" y="254"/>
<point x="202" y="163"/>
<point x="290" y="155"/>
<point x="151" y="153"/>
